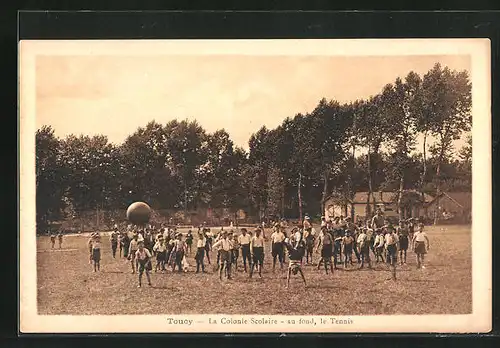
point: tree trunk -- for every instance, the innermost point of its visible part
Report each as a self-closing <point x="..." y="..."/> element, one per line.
<point x="438" y="193"/>
<point x="283" y="198"/>
<point x="348" y="193"/>
<point x="438" y="181"/>
<point x="300" y="197"/>
<point x="424" y="171"/>
<point x="350" y="174"/>
<point x="325" y="190"/>
<point x="370" y="185"/>
<point x="374" y="154"/>
<point x="185" y="200"/>
<point x="400" y="196"/>
<point x="353" y="166"/>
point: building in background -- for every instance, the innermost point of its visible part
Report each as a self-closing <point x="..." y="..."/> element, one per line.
<point x="451" y="207"/>
<point x="412" y="203"/>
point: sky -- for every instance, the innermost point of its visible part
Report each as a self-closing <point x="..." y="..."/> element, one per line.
<point x="114" y="95"/>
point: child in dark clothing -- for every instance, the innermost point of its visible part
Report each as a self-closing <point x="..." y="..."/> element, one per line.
<point x="296" y="251"/>
<point x="189" y="241"/>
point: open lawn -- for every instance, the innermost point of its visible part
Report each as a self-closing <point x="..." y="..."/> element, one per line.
<point x="68" y="285"/>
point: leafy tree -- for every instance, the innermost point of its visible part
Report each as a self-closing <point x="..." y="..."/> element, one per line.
<point x="275" y="192"/>
<point x="185" y="142"/>
<point x="145" y="172"/>
<point x="306" y="158"/>
<point x="88" y="163"/>
<point x="49" y="192"/>
<point x="354" y="141"/>
<point x="403" y="109"/>
<point x="372" y="133"/>
<point x="446" y="106"/>
<point x="283" y="160"/>
<point x="257" y="172"/>
<point x="330" y="126"/>
<point x="290" y="169"/>
<point x="216" y="170"/>
<point x="222" y="173"/>
<point x="237" y="182"/>
<point x="465" y="153"/>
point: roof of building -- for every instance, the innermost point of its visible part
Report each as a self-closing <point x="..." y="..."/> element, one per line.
<point x="462" y="199"/>
<point x="383" y="197"/>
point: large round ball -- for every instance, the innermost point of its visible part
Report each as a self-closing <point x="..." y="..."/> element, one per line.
<point x="139" y="213"/>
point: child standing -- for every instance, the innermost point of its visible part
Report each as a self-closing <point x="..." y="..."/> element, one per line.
<point x="143" y="257"/>
<point x="379" y="246"/>
<point x="244" y="240"/>
<point x="132" y="249"/>
<point x="370" y="237"/>
<point x="277" y="250"/>
<point x="347" y="246"/>
<point x="326" y="245"/>
<point x="419" y="240"/>
<point x="403" y="241"/>
<point x="391" y="245"/>
<point x="60" y="239"/>
<point x="95" y="247"/>
<point x="257" y="250"/>
<point x="353" y="231"/>
<point x="225" y="247"/>
<point x="52" y="240"/>
<point x="114" y="241"/>
<point x="200" y="252"/>
<point x="235" y="252"/>
<point x="178" y="252"/>
<point x="337" y="247"/>
<point x="364" y="248"/>
<point x="160" y="249"/>
<point x="217" y="238"/>
<point x="309" y="238"/>
<point x="208" y="245"/>
<point x="189" y="241"/>
<point x="89" y="244"/>
<point x="125" y="243"/>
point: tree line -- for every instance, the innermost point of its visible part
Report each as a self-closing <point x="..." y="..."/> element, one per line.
<point x="365" y="145"/>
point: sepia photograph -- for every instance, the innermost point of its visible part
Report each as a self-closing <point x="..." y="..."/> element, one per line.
<point x="255" y="186"/>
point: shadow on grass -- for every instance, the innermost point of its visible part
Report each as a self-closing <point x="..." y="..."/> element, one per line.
<point x="55" y="250"/>
<point x="327" y="286"/>
<point x="164" y="287"/>
<point x="420" y="280"/>
<point x="398" y="270"/>
<point x="114" y="272"/>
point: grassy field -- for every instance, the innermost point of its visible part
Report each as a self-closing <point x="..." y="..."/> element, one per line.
<point x="68" y="285"/>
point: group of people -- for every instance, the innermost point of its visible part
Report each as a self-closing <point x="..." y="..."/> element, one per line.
<point x="59" y="237"/>
<point x="338" y="240"/>
<point x="228" y="246"/>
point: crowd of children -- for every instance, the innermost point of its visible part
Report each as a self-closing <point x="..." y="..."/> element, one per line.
<point x="339" y="242"/>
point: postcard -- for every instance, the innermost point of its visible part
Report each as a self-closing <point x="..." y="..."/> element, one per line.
<point x="246" y="186"/>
